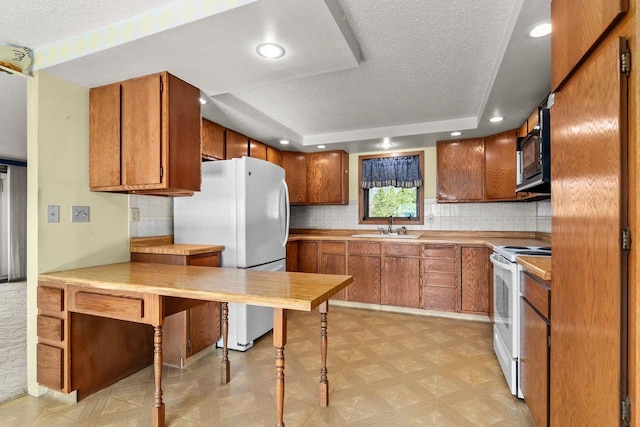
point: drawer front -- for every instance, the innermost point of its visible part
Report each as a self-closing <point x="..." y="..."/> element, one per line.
<point x="50" y="367"/>
<point x="334" y="248"/>
<point x="50" y="328"/>
<point x="50" y="298"/>
<point x="402" y="250"/>
<point x="435" y="298"/>
<point x="206" y="260"/>
<point x="439" y="265"/>
<point x="446" y="280"/>
<point x="537" y="294"/>
<point x="364" y="248"/>
<point x="110" y="305"/>
<point x="439" y="251"/>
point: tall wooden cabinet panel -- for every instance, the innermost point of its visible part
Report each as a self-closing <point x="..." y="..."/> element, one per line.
<point x="589" y="212"/>
<point x="474" y="281"/>
<point x="365" y="267"/>
<point x="274" y="156"/>
<point x="577" y="26"/>
<point x="257" y="150"/>
<point x="213" y="140"/>
<point x="295" y="174"/>
<point x="328" y="178"/>
<point x="237" y="145"/>
<point x="500" y="166"/>
<point x="460" y="175"/>
<point x="144" y="136"/>
<point x="400" y="275"/>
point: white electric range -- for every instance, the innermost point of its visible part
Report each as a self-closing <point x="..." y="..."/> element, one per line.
<point x="506" y="302"/>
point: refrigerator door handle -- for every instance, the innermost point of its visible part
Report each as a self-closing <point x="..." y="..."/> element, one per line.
<point x="287" y="212"/>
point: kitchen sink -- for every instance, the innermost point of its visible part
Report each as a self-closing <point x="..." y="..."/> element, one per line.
<point x="388" y="236"/>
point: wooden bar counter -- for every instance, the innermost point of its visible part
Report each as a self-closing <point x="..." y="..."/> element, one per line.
<point x="147" y="293"/>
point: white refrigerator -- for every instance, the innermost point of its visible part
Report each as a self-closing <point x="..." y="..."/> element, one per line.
<point x="244" y="205"/>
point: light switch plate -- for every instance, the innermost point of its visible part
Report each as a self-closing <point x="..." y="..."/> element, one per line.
<point x="135" y="215"/>
<point x="80" y="214"/>
<point x="53" y="213"/>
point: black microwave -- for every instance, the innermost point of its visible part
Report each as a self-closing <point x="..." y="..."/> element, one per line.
<point x="533" y="157"/>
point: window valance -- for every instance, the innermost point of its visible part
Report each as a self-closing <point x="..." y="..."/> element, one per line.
<point x="403" y="171"/>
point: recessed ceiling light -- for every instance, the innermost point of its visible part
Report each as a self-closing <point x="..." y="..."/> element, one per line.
<point x="203" y="101"/>
<point x="496" y="119"/>
<point x="322" y="146"/>
<point x="270" y="50"/>
<point x="540" y="30"/>
<point x="284" y="142"/>
<point x="456" y="133"/>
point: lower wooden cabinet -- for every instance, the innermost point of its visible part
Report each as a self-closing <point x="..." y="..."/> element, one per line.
<point x="365" y="267"/>
<point x="474" y="281"/>
<point x="188" y="331"/>
<point x="400" y="275"/>
<point x="292" y="256"/>
<point x="307" y="256"/>
<point x="535" y="330"/>
<point x="440" y="272"/>
<point x="333" y="260"/>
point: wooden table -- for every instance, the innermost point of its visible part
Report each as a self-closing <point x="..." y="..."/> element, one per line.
<point x="146" y="293"/>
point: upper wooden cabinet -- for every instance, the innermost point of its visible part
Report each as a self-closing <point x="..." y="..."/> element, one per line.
<point x="257" y="150"/>
<point x="328" y="178"/>
<point x="274" y="156"/>
<point x="460" y="173"/>
<point x="237" y="145"/>
<point x="144" y="136"/>
<point x="500" y="166"/>
<point x="213" y="140"/>
<point x="295" y="175"/>
<point x="577" y="26"/>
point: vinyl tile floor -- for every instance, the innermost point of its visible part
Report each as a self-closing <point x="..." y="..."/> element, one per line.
<point x="385" y="369"/>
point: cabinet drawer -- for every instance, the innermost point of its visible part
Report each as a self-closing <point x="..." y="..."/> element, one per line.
<point x="435" y="298"/>
<point x="334" y="248"/>
<point x="537" y="294"/>
<point x="205" y="260"/>
<point x="128" y="308"/>
<point x="364" y="248"/>
<point x="50" y="298"/>
<point x="402" y="250"/>
<point x="50" y="328"/>
<point x="439" y="251"/>
<point x="439" y="265"/>
<point x="50" y="367"/>
<point x="446" y="280"/>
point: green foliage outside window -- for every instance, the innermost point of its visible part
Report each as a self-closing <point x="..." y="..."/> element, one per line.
<point x="391" y="201"/>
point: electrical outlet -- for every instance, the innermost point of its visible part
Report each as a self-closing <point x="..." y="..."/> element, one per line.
<point x="135" y="214"/>
<point x="80" y="214"/>
<point x="430" y="218"/>
<point x="53" y="213"/>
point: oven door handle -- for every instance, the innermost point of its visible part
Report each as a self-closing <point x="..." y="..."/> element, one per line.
<point x="505" y="265"/>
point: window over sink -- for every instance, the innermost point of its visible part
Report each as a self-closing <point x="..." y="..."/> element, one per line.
<point x="391" y="185"/>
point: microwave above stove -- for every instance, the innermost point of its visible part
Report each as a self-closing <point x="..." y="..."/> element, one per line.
<point x="533" y="155"/>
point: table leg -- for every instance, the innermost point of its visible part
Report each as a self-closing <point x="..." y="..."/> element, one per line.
<point x="225" y="368"/>
<point x="279" y="341"/>
<point x="158" y="404"/>
<point x="324" y="381"/>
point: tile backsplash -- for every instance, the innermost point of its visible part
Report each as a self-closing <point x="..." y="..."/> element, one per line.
<point x="505" y="216"/>
<point x="155" y="216"/>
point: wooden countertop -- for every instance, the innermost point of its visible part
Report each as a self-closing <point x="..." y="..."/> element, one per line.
<point x="164" y="245"/>
<point x="489" y="239"/>
<point x="296" y="291"/>
<point x="537" y="265"/>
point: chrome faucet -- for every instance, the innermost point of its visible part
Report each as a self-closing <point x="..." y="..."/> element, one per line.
<point x="390" y="224"/>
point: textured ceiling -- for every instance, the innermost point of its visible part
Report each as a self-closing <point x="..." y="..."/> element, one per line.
<point x="355" y="70"/>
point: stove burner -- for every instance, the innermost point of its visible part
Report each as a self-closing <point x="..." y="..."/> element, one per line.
<point x="516" y="247"/>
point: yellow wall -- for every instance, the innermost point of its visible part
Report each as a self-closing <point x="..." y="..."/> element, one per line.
<point x="58" y="174"/>
<point x="429" y="172"/>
